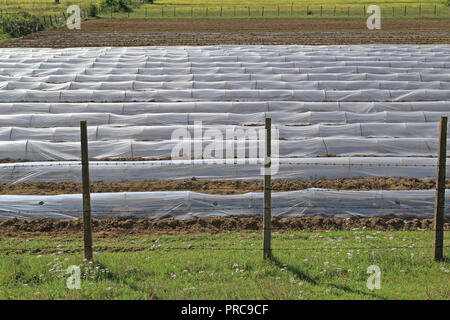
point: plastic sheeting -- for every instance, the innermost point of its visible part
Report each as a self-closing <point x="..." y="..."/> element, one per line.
<point x="358" y="91"/>
<point x="136" y="108"/>
<point x="158" y="119"/>
<point x="185" y="204"/>
<point x="159" y="133"/>
<point x="244" y="169"/>
<point x="338" y="146"/>
<point x="171" y="95"/>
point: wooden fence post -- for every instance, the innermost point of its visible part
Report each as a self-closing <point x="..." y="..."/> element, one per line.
<point x="267" y="219"/>
<point x="439" y="205"/>
<point x="87" y="222"/>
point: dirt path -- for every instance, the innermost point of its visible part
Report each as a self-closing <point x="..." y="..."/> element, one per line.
<point x="219" y="186"/>
<point x="148" y="32"/>
<point x="107" y="228"/>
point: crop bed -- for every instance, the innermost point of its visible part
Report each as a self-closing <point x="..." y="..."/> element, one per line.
<point x="354" y="129"/>
<point x="187" y="32"/>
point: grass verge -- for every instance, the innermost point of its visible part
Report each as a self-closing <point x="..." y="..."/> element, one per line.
<point x="306" y="265"/>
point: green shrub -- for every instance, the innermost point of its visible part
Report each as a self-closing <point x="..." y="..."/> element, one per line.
<point x="21" y="23"/>
<point x="117" y="5"/>
<point x="92" y="10"/>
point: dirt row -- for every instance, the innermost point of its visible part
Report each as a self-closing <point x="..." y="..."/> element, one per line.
<point x="218" y="186"/>
<point x="195" y="32"/>
<point x="107" y="228"/>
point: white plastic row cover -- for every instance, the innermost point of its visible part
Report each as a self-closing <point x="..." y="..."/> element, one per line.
<point x="85" y="78"/>
<point x="157" y="57"/>
<point x="241" y="85"/>
<point x="160" y="119"/>
<point x="226" y="55"/>
<point x="42" y="150"/>
<point x="366" y="95"/>
<point x="155" y="133"/>
<point x="135" y="108"/>
<point x="231" y="62"/>
<point x="17" y="72"/>
<point x="185" y="204"/>
<point x="242" y="169"/>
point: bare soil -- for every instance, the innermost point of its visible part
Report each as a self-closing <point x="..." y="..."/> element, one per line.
<point x="114" y="227"/>
<point x="218" y="186"/>
<point x="158" y="32"/>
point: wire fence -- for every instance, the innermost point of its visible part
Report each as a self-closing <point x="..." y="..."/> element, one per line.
<point x="282" y="11"/>
<point x="252" y="11"/>
<point x="258" y="209"/>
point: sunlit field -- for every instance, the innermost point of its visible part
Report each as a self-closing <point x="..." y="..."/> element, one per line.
<point x="231" y="8"/>
<point x="306" y="265"/>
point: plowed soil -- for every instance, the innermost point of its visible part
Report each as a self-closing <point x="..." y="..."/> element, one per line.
<point x="218" y="186"/>
<point x="158" y="32"/>
<point x="122" y="227"/>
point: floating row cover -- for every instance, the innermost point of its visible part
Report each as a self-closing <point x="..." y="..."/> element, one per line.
<point x="223" y="77"/>
<point x="242" y="169"/>
<point x="161" y="95"/>
<point x="185" y="204"/>
<point x="198" y="73"/>
<point x="326" y="100"/>
<point x="338" y="146"/>
<point x="230" y="85"/>
<point x="136" y="108"/>
<point x="160" y="133"/>
<point x="39" y="120"/>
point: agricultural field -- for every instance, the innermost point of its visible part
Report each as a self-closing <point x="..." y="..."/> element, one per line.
<point x="201" y="32"/>
<point x="179" y="100"/>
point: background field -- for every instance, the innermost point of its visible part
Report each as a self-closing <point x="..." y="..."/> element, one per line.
<point x="234" y="8"/>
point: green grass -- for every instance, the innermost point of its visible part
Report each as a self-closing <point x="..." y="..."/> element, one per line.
<point x="259" y="9"/>
<point x="240" y="9"/>
<point x="328" y="265"/>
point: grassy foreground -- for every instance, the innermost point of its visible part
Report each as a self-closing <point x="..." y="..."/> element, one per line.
<point x="328" y="265"/>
